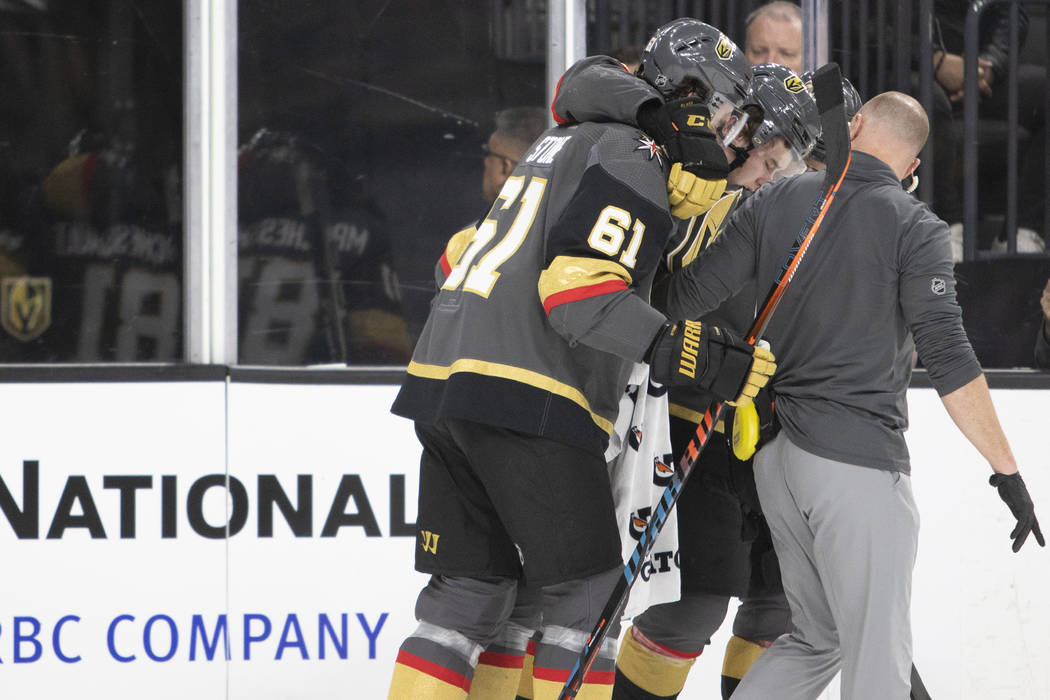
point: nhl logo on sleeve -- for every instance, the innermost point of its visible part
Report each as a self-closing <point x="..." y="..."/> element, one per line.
<point x="25" y="306"/>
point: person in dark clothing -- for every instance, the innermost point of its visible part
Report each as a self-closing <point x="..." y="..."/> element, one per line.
<point x="949" y="23"/>
<point x="835" y="483"/>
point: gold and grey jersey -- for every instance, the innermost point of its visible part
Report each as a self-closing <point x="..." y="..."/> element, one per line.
<point x="544" y="303"/>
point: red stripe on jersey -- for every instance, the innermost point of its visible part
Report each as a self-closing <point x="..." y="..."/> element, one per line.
<point x="445" y="267"/>
<point x="593" y="290"/>
<point x="492" y="658"/>
<point x="530" y="648"/>
<point x="430" y="668"/>
<point x="560" y="675"/>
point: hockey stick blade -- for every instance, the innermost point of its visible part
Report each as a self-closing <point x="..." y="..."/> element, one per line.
<point x="827" y="86"/>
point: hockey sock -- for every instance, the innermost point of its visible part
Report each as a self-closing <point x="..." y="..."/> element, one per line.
<point x="498" y="673"/>
<point x="434" y="663"/>
<point x="740" y="655"/>
<point x="556" y="655"/>
<point x="525" y="685"/>
<point x="646" y="670"/>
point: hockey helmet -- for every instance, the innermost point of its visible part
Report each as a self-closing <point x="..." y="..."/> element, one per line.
<point x="788" y="108"/>
<point x="687" y="56"/>
<point x="851" y="102"/>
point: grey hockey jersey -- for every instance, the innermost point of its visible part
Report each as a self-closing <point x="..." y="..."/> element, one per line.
<point x="545" y="304"/>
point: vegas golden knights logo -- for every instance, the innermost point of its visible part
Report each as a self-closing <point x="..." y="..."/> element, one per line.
<point x="430" y="541"/>
<point x="724" y="49"/>
<point x="794" y="84"/>
<point x="25" y="306"/>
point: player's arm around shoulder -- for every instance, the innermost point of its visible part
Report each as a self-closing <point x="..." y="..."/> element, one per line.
<point x="605" y="243"/>
<point x="723" y="267"/>
<point x="599" y="88"/>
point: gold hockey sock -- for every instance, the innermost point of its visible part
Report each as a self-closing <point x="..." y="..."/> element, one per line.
<point x="497" y="676"/>
<point x="652" y="670"/>
<point x="434" y="663"/>
<point x="740" y="655"/>
<point x="556" y="654"/>
<point x="416" y="678"/>
<point x="525" y="683"/>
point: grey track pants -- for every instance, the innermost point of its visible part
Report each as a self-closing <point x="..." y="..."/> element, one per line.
<point x="846" y="537"/>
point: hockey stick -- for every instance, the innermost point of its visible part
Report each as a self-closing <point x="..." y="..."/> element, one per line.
<point x="827" y="86"/>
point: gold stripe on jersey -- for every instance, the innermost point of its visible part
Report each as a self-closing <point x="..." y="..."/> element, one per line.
<point x="457" y="244"/>
<point x="695" y="417"/>
<point x="567" y="273"/>
<point x="517" y="374"/>
<point x="709" y="228"/>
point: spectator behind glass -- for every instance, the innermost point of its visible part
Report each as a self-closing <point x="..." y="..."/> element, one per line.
<point x="1042" y="341"/>
<point x="773" y="34"/>
<point x="992" y="81"/>
<point x="516" y="129"/>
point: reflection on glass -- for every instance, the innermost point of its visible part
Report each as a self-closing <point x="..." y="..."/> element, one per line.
<point x="360" y="125"/>
<point x="90" y="211"/>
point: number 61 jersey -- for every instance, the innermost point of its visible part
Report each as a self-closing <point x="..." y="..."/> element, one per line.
<point x="545" y="307"/>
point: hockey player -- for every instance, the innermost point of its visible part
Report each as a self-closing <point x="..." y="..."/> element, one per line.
<point x="111" y="246"/>
<point x="307" y="299"/>
<point x="724" y="545"/>
<point x="515" y="380"/>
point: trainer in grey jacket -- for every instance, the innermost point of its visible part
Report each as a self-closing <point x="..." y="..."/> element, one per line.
<point x="876" y="284"/>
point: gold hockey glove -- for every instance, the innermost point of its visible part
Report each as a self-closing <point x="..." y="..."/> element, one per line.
<point x="699" y="166"/>
<point x="704" y="355"/>
<point x="690" y="195"/>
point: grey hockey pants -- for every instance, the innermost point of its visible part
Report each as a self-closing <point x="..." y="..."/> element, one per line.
<point x="846" y="537"/>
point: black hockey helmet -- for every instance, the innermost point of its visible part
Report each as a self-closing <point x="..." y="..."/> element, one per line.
<point x="789" y="109"/>
<point x="688" y="56"/>
<point x="851" y="101"/>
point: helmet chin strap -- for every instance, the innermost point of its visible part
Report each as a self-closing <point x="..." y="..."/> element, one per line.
<point x="741" y="156"/>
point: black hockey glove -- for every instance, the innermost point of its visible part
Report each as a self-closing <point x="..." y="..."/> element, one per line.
<point x="704" y="355"/>
<point x="683" y="128"/>
<point x="698" y="163"/>
<point x="1015" y="494"/>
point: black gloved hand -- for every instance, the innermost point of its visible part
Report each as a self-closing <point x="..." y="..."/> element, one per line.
<point x="691" y="352"/>
<point x="1015" y="494"/>
<point x="683" y="128"/>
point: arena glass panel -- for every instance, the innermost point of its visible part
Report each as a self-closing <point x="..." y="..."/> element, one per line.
<point x="91" y="230"/>
<point x="360" y="133"/>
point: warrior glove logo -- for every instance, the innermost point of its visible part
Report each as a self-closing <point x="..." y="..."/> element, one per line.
<point x="25" y="306"/>
<point x="690" y="349"/>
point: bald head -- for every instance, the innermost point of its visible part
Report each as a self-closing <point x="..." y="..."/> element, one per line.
<point x="892" y="127"/>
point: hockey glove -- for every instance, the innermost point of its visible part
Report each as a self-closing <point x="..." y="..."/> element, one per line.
<point x="690" y="195"/>
<point x="699" y="165"/>
<point x="704" y="355"/>
<point x="1015" y="494"/>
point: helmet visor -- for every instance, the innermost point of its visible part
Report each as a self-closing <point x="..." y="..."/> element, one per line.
<point x="727" y="118"/>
